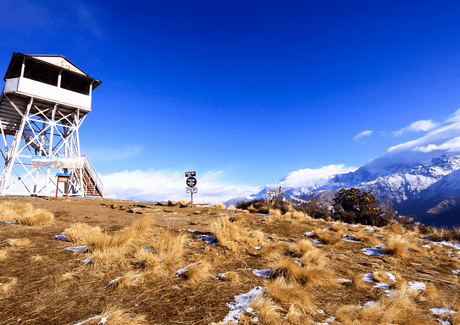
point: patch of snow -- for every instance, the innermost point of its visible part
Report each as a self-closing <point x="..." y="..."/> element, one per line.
<point x="175" y="288"/>
<point x="258" y="247"/>
<point x="382" y="285"/>
<point x="369" y="228"/>
<point x="417" y="285"/>
<point x="373" y="251"/>
<point x="349" y="239"/>
<point x="355" y="226"/>
<point x="242" y="303"/>
<point x="427" y="246"/>
<point x="370" y="303"/>
<point x="443" y="322"/>
<point x="191" y="230"/>
<point x="89" y="319"/>
<point x="318" y="241"/>
<point x="114" y="280"/>
<point x="320" y="311"/>
<point x="60" y="236"/>
<point x="389" y="293"/>
<point x="86" y="260"/>
<point x="344" y="280"/>
<point x="179" y="272"/>
<point x="391" y="276"/>
<point x="444" y="310"/>
<point x="298" y="263"/>
<point x="209" y="239"/>
<point x="455" y="271"/>
<point x="78" y="249"/>
<point x="327" y="229"/>
<point x="309" y="233"/>
<point x="263" y="273"/>
<point x="369" y="277"/>
<point x="378" y="235"/>
<point x="103" y="320"/>
<point x="330" y="319"/>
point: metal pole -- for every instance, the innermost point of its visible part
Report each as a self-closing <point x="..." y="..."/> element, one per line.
<point x="191" y="195"/>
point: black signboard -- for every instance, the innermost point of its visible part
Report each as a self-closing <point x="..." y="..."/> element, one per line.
<point x="191" y="181"/>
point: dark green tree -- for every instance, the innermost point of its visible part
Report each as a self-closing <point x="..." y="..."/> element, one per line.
<point x="353" y="200"/>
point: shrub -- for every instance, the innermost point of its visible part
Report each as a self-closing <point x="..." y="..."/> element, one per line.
<point x="354" y="200"/>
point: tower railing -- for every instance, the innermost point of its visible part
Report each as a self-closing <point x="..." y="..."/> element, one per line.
<point x="93" y="174"/>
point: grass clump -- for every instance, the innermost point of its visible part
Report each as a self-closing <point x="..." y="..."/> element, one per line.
<point x="19" y="242"/>
<point x="397" y="246"/>
<point x="220" y="206"/>
<point x="24" y="214"/>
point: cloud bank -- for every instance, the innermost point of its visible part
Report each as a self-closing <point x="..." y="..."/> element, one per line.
<point x="309" y="177"/>
<point x="417" y="126"/>
<point x="164" y="185"/>
<point x="444" y="138"/>
<point x="363" y="134"/>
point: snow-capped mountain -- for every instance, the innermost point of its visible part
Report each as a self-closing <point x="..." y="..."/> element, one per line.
<point x="426" y="190"/>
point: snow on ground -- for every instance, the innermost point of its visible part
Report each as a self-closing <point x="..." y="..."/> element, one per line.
<point x="263" y="273"/>
<point x="209" y="239"/>
<point x="114" y="280"/>
<point x="179" y="272"/>
<point x="309" y="233"/>
<point x="241" y="304"/>
<point x="60" y="236"/>
<point x="374" y="251"/>
<point x="78" y="249"/>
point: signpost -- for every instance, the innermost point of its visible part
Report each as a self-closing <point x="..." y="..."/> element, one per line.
<point x="191" y="183"/>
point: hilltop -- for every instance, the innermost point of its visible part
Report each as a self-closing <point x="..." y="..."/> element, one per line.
<point x="101" y="261"/>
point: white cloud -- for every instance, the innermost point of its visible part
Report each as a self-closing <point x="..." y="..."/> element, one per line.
<point x="443" y="139"/>
<point x="309" y="177"/>
<point x="165" y="185"/>
<point x="363" y="134"/>
<point x="422" y="125"/>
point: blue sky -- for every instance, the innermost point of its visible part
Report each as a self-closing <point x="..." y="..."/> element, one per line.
<point x="246" y="92"/>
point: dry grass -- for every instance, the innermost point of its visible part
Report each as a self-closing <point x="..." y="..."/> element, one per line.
<point x="198" y="271"/>
<point x="397" y="246"/>
<point x="19" y="242"/>
<point x="230" y="276"/>
<point x="39" y="217"/>
<point x="370" y="240"/>
<point x="3" y="254"/>
<point x="396" y="228"/>
<point x="220" y="206"/>
<point x="252" y="209"/>
<point x="24" y="214"/>
<point x="268" y="311"/>
<point x="235" y="238"/>
<point x="285" y="267"/>
<point x="237" y="217"/>
<point x="274" y="213"/>
<point x="292" y="293"/>
<point x="8" y="283"/>
<point x="296" y="316"/>
<point x="115" y="315"/>
<point x="328" y="237"/>
<point x="231" y="207"/>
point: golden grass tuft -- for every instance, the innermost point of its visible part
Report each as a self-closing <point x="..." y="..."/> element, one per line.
<point x="268" y="311"/>
<point x="284" y="267"/>
<point x="396" y="228"/>
<point x="292" y="293"/>
<point x="397" y="247"/>
<point x="274" y="213"/>
<point x="231" y="207"/>
<point x="38" y="217"/>
<point x="7" y="283"/>
<point x="237" y="217"/>
<point x="115" y="315"/>
<point x="431" y="291"/>
<point x="252" y="209"/>
<point x="230" y="276"/>
<point x="297" y="317"/>
<point x="24" y="214"/>
<point x="328" y="237"/>
<point x="19" y="242"/>
<point x="220" y="206"/>
<point x="235" y="238"/>
<point x="399" y="308"/>
<point x="198" y="271"/>
<point x="3" y="254"/>
<point x="370" y="240"/>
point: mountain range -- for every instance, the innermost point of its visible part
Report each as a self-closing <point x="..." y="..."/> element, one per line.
<point x="427" y="191"/>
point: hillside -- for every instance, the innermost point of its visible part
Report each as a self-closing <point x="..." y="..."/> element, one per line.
<point x="428" y="191"/>
<point x="122" y="262"/>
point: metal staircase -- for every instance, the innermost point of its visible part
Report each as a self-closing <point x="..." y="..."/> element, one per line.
<point x="92" y="183"/>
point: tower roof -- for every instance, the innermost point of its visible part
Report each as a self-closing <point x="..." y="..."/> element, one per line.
<point x="52" y="64"/>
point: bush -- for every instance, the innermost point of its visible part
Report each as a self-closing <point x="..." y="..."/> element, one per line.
<point x="353" y="200"/>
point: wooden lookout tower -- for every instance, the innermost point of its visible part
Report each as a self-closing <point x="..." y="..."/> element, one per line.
<point x="44" y="102"/>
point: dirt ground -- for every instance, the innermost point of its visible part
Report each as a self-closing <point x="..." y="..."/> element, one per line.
<point x="40" y="297"/>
